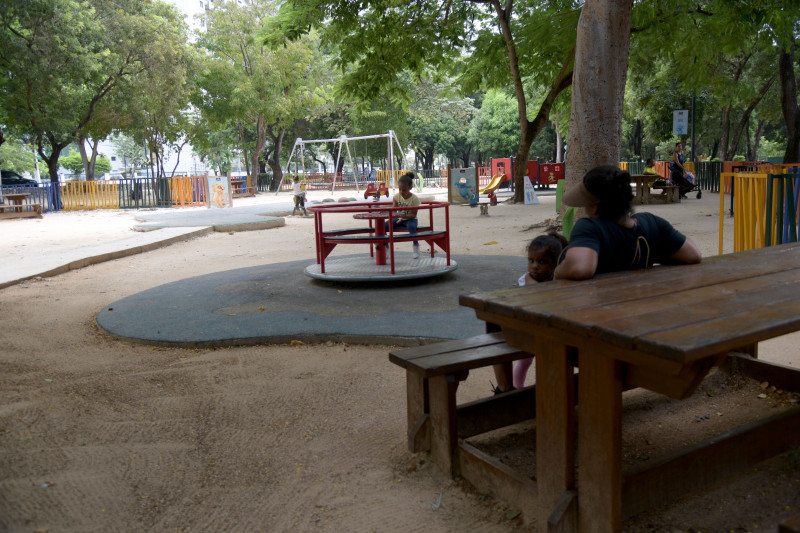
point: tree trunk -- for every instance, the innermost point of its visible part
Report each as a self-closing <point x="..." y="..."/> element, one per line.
<point x="598" y="87"/>
<point x="749" y="155"/>
<point x="247" y="163"/>
<point x="52" y="166"/>
<point x="737" y="135"/>
<point x="426" y="157"/>
<point x="261" y="142"/>
<point x="178" y="159"/>
<point x="88" y="161"/>
<point x="274" y="160"/>
<point x="325" y="165"/>
<point x="757" y="138"/>
<point x="791" y="115"/>
<point x="723" y="140"/>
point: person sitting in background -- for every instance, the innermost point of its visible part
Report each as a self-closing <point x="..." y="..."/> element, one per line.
<point x="678" y="172"/>
<point x="650" y="168"/>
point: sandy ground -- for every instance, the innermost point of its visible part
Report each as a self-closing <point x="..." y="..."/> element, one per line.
<point x="97" y="434"/>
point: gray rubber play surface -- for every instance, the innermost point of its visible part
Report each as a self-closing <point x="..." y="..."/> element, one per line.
<point x="278" y="303"/>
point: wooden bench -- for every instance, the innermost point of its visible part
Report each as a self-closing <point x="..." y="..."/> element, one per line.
<point x="644" y="183"/>
<point x="240" y="189"/>
<point x="21" y="211"/>
<point x="670" y="194"/>
<point x="433" y="373"/>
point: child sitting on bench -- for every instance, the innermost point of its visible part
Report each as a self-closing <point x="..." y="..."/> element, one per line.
<point x="406" y="198"/>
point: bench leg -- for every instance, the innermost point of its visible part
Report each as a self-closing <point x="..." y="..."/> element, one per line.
<point x="419" y="426"/>
<point x="444" y="422"/>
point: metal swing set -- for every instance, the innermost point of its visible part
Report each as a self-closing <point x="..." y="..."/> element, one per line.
<point x="344" y="142"/>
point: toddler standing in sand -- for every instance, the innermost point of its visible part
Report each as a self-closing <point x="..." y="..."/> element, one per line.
<point x="543" y="254"/>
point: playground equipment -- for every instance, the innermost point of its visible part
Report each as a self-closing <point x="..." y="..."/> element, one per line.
<point x="344" y="142"/>
<point x="375" y="191"/>
<point x="492" y="187"/>
<point x="550" y="173"/>
<point x="462" y="185"/>
<point x="382" y="263"/>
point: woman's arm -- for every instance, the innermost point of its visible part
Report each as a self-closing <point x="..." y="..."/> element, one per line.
<point x="677" y="161"/>
<point x="579" y="263"/>
<point x="687" y="254"/>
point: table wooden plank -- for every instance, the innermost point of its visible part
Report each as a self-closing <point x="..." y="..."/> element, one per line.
<point x="668" y="311"/>
<point x="566" y="297"/>
<point x="621" y="324"/>
<point x="708" y="338"/>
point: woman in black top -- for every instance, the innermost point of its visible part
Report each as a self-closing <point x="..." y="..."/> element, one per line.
<point x="678" y="172"/>
<point x="610" y="237"/>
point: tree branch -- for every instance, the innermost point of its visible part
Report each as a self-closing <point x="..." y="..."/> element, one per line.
<point x="666" y="17"/>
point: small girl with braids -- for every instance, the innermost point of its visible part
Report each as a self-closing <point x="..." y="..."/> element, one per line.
<point x="543" y="254"/>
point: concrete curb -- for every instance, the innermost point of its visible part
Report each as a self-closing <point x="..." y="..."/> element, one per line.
<point x="116" y="253"/>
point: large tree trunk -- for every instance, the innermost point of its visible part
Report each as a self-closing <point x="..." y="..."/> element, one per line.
<point x="52" y="166"/>
<point x="274" y="160"/>
<point x="88" y="160"/>
<point x="598" y="86"/>
<point x="247" y="162"/>
<point x="465" y="156"/>
<point x="261" y="143"/>
<point x="791" y="115"/>
<point x="426" y="157"/>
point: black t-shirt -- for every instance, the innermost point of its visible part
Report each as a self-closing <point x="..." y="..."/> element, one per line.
<point x="652" y="240"/>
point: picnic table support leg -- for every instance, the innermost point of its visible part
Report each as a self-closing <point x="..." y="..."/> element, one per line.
<point x="599" y="444"/>
<point x="444" y="423"/>
<point x="555" y="427"/>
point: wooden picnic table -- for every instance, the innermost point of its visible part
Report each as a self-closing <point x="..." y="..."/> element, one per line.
<point x="17" y="209"/>
<point x="17" y="199"/>
<point x="662" y="329"/>
<point x="643" y="196"/>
